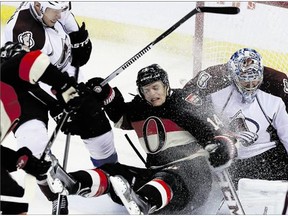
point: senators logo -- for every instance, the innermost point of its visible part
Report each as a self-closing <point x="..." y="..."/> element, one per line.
<point x="194" y="99"/>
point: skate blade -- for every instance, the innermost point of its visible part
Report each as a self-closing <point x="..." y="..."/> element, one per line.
<point x="120" y="188"/>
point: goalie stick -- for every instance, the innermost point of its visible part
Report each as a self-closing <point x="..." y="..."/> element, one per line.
<point x="216" y="10"/>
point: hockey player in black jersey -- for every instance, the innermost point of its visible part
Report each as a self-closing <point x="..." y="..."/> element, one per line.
<point x="20" y="71"/>
<point x="177" y="133"/>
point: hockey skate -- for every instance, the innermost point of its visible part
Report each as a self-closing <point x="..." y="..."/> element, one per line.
<point x="134" y="204"/>
<point x="59" y="180"/>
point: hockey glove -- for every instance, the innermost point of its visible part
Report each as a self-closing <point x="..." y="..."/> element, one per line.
<point x="102" y="93"/>
<point x="31" y="164"/>
<point x="81" y="46"/>
<point x="69" y="92"/>
<point x="89" y="107"/>
<point x="221" y="151"/>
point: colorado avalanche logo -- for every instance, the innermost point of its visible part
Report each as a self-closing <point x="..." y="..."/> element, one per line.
<point x="285" y="82"/>
<point x="203" y="80"/>
<point x="27" y="39"/>
<point x="66" y="56"/>
<point x="239" y="125"/>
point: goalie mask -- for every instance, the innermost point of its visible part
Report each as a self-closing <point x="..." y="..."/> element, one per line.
<point x="11" y="49"/>
<point x="152" y="74"/>
<point x="246" y="70"/>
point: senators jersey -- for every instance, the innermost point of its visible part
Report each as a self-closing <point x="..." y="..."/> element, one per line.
<point x="216" y="77"/>
<point x="168" y="133"/>
<point x="20" y="74"/>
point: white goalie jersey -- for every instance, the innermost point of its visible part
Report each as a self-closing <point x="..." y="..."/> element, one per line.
<point x="258" y="117"/>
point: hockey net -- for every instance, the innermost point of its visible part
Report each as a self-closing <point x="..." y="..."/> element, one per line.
<point x="259" y="25"/>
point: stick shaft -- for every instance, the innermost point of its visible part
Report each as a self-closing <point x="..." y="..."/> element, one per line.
<point x="229" y="192"/>
<point x="54" y="134"/>
<point x="135" y="149"/>
<point x="217" y="10"/>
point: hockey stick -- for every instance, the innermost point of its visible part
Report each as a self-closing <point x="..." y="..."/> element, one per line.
<point x="135" y="150"/>
<point x="216" y="10"/>
<point x="67" y="146"/>
<point x="54" y="134"/>
<point x="229" y="192"/>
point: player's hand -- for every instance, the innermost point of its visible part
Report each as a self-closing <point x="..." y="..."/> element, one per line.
<point x="70" y="93"/>
<point x="102" y="93"/>
<point x="30" y="163"/>
<point x="221" y="151"/>
<point x="81" y="46"/>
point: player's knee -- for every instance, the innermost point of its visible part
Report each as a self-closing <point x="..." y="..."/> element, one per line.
<point x="112" y="159"/>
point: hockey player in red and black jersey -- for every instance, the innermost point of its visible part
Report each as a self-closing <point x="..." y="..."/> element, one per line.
<point x="178" y="135"/>
<point x="20" y="71"/>
<point x="261" y="116"/>
<point x="175" y="131"/>
<point x="50" y="26"/>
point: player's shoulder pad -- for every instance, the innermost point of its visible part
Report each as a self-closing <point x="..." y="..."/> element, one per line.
<point x="33" y="65"/>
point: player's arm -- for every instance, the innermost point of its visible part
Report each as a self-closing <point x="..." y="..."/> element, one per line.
<point x="113" y="102"/>
<point x="210" y="80"/>
<point x="210" y="131"/>
<point x="276" y="83"/>
<point x="79" y="36"/>
<point x="23" y="159"/>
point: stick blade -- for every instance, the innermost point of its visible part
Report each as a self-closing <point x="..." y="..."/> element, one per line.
<point x="220" y="10"/>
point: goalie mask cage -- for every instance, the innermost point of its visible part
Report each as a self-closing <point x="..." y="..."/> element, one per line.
<point x="259" y="25"/>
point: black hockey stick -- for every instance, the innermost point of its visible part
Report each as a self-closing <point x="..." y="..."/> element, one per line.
<point x="67" y="146"/>
<point x="217" y="10"/>
<point x="54" y="134"/>
<point x="135" y="150"/>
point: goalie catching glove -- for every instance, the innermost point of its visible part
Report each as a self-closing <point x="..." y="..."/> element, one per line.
<point x="221" y="150"/>
<point x="81" y="46"/>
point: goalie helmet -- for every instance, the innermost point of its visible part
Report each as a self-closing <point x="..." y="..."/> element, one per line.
<point x="246" y="70"/>
<point x="151" y="74"/>
<point x="11" y="49"/>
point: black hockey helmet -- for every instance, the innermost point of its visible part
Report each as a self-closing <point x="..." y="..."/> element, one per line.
<point x="11" y="49"/>
<point x="151" y="74"/>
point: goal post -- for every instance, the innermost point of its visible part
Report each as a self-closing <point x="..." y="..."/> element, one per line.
<point x="259" y="25"/>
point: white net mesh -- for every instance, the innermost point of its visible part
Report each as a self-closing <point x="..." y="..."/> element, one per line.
<point x="259" y="26"/>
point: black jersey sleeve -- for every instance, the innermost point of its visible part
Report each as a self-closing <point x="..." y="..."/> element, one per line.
<point x="275" y="83"/>
<point x="8" y="159"/>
